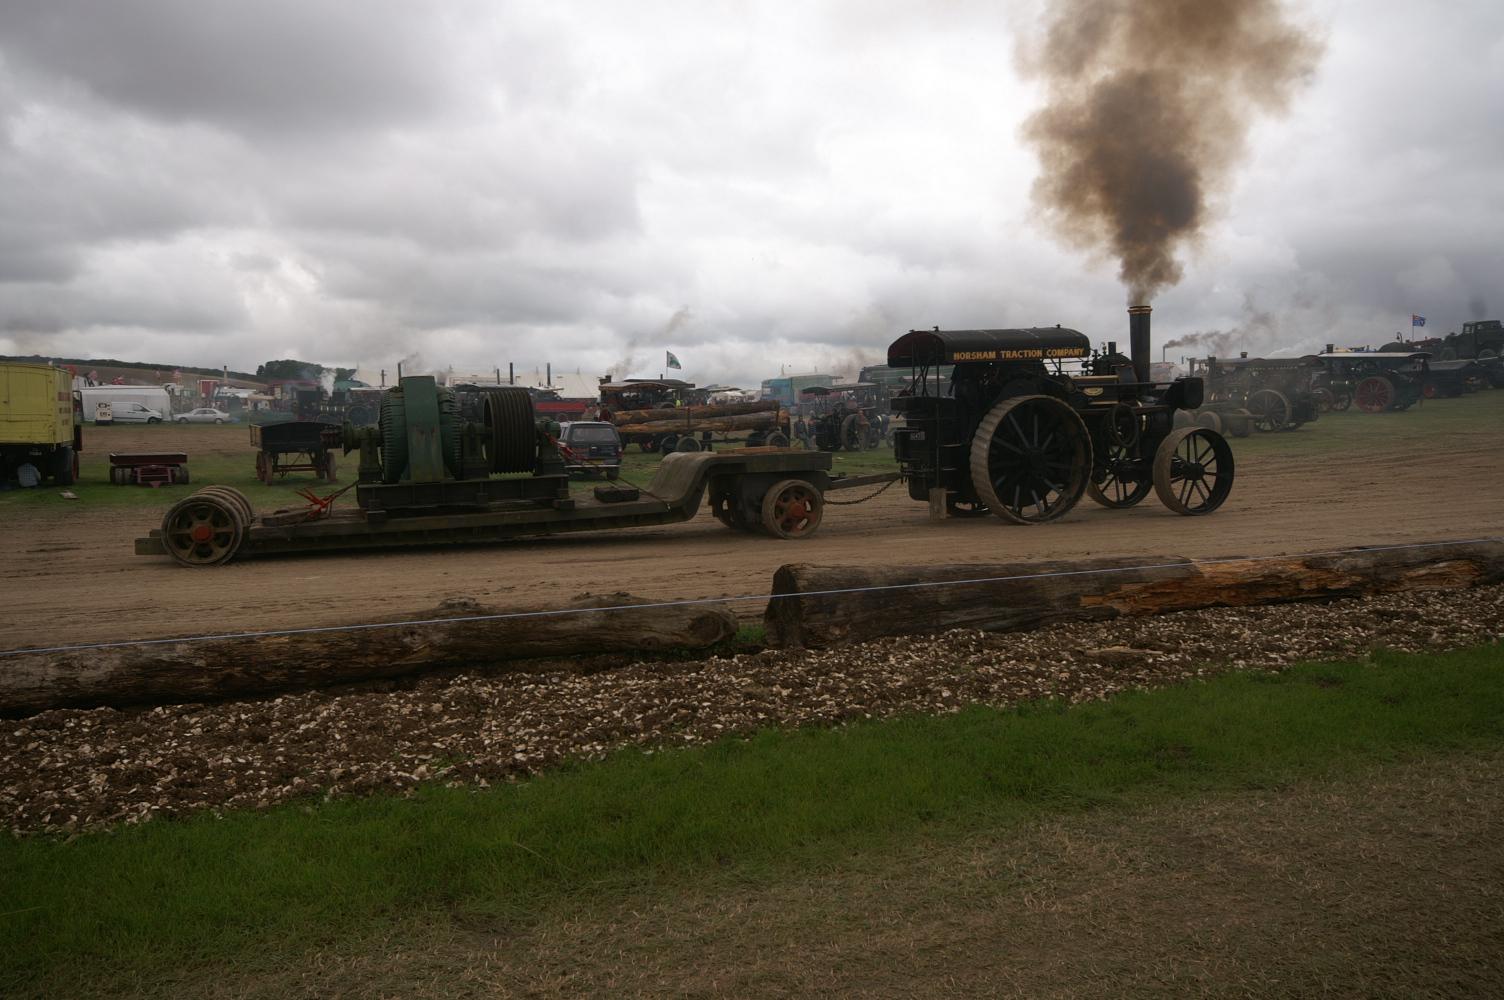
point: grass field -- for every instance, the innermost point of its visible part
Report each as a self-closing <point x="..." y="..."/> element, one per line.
<point x="257" y="903"/>
<point x="223" y="455"/>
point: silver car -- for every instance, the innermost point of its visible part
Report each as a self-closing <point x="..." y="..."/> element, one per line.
<point x="134" y="413"/>
<point x="203" y="415"/>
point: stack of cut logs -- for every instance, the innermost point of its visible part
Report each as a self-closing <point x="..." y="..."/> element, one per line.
<point x="721" y="419"/>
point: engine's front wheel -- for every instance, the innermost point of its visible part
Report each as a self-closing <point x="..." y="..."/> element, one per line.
<point x="1030" y="459"/>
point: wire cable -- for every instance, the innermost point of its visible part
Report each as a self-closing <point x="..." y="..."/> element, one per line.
<point x="1189" y="564"/>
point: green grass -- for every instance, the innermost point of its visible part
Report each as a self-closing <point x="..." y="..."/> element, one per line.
<point x="1474" y="420"/>
<point x="144" y="901"/>
<point x="217" y="455"/>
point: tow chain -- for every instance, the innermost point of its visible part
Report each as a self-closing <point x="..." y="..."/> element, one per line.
<point x="848" y="503"/>
<point x="587" y="460"/>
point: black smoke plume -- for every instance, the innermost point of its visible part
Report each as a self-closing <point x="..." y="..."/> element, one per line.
<point x="1149" y="104"/>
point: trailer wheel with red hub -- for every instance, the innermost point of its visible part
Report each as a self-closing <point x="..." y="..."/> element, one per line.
<point x="792" y="509"/>
<point x="205" y="529"/>
<point x="1374" y="394"/>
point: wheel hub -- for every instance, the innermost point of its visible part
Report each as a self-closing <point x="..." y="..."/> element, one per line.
<point x="202" y="533"/>
<point x="1037" y="460"/>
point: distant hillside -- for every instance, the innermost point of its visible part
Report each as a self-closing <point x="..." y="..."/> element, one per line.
<point x="90" y="363"/>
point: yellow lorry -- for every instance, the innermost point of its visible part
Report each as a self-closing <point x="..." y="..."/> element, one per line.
<point x="40" y="422"/>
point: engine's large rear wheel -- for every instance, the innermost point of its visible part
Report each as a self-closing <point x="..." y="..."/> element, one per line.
<point x="1030" y="459"/>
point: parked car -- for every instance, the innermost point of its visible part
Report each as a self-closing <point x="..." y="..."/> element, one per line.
<point x="134" y="413"/>
<point x="593" y="446"/>
<point x="203" y="415"/>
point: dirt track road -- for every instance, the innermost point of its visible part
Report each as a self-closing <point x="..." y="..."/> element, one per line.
<point x="73" y="577"/>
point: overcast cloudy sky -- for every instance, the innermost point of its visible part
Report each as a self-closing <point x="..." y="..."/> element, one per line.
<point x="748" y="184"/>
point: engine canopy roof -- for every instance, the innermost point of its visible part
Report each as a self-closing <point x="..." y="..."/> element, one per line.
<point x="947" y="347"/>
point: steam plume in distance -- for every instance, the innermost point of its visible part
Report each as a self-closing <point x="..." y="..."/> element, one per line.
<point x="1149" y="104"/>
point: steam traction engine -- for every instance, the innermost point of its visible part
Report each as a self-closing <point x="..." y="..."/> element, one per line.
<point x="1031" y="419"/>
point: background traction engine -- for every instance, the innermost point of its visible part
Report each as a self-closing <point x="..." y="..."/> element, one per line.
<point x="1020" y="436"/>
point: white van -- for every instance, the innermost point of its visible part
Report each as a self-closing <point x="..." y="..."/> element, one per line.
<point x="147" y="397"/>
<point x="134" y="413"/>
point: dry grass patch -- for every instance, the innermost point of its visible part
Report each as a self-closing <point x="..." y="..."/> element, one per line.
<point x="1388" y="885"/>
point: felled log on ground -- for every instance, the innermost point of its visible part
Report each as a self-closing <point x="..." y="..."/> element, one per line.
<point x="1013" y="596"/>
<point x="451" y="636"/>
<point x="741" y="422"/>
<point x="625" y="417"/>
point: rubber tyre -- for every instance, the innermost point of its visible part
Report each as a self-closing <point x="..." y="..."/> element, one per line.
<point x="688" y="444"/>
<point x="231" y="494"/>
<point x="219" y="420"/>
<point x="792" y="509"/>
<point x="184" y="420"/>
<point x="1069" y="460"/>
<point x="62" y="466"/>
<point x="1193" y="449"/>
<point x="776" y="440"/>
<point x="180" y="476"/>
<point x="154" y="420"/>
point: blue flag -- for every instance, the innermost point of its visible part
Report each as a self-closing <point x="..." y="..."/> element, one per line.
<point x="1417" y="320"/>
<point x="673" y="362"/>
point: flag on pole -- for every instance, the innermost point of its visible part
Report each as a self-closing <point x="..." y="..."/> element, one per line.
<point x="673" y="362"/>
<point x="1417" y="320"/>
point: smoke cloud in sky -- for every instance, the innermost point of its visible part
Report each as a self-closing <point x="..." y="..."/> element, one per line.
<point x="363" y="182"/>
<point x="1149" y="107"/>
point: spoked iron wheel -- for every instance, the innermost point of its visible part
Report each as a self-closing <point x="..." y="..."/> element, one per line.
<point x="1375" y="394"/>
<point x="1325" y="401"/>
<point x="1030" y="459"/>
<point x="1193" y="471"/>
<point x="203" y="530"/>
<point x="1123" y="486"/>
<point x="792" y="509"/>
<point x="1270" y="409"/>
<point x="1343" y="402"/>
<point x="854" y="433"/>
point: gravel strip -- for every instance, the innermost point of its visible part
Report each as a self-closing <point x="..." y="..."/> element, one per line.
<point x="70" y="770"/>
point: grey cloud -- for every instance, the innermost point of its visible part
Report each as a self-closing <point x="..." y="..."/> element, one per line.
<point x="474" y="183"/>
<point x="271" y="65"/>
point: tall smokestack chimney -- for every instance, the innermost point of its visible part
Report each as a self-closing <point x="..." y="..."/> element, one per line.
<point x="1138" y="340"/>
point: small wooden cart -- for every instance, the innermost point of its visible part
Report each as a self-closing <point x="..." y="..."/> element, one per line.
<point x="292" y="446"/>
<point x="150" y="468"/>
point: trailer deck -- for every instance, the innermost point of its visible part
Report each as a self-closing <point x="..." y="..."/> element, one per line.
<point x="739" y="483"/>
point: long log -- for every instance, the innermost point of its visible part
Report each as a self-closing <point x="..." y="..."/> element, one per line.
<point x="741" y="422"/>
<point x="695" y="412"/>
<point x="1014" y="596"/>
<point x="222" y="668"/>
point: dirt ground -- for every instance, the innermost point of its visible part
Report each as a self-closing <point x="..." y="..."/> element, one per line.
<point x="72" y="576"/>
